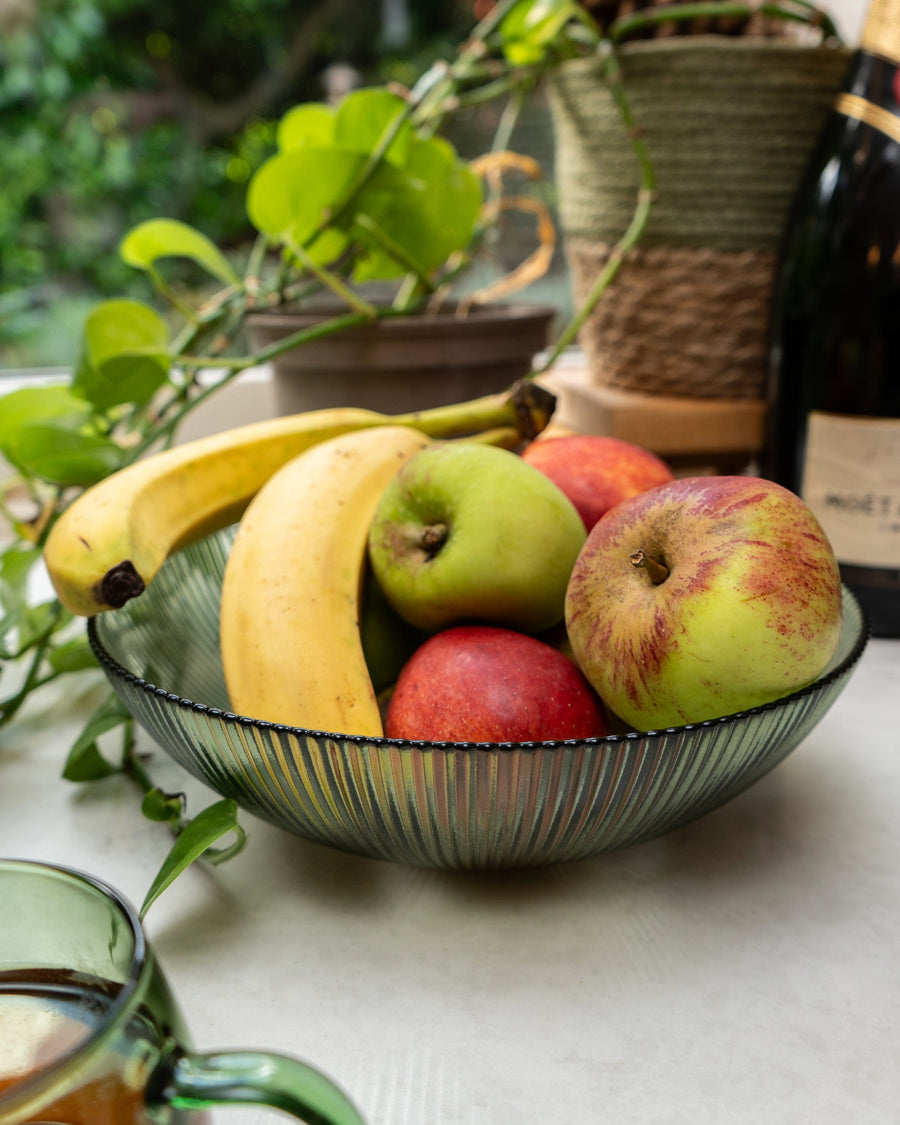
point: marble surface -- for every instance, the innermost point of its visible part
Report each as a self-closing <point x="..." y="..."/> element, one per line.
<point x="741" y="970"/>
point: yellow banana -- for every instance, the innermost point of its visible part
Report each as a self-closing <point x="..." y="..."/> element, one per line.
<point x="110" y="542"/>
<point x="289" y="625"/>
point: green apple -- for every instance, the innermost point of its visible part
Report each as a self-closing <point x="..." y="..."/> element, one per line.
<point x="703" y="597"/>
<point x="387" y="640"/>
<point x="467" y="532"/>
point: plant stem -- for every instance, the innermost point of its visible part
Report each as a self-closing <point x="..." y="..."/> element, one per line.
<point x="333" y="282"/>
<point x="31" y="683"/>
<point x="295" y="339"/>
<point x="393" y="248"/>
<point x="429" y="97"/>
<point x="508" y="118"/>
<point x="168" y="293"/>
<point x="364" y="175"/>
<point x="255" y="264"/>
<point x="645" y="197"/>
<point x="621" y="28"/>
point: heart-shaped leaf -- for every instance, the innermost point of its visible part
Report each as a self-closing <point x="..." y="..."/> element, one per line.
<point x="307" y="125"/>
<point x="430" y="209"/>
<point x="35" y="404"/>
<point x="15" y="566"/>
<point x="60" y="452"/>
<point x="364" y="118"/>
<point x="532" y="25"/>
<point x="85" y="762"/>
<point x="169" y="238"/>
<point x="124" y="356"/>
<point x="75" y="655"/>
<point x="294" y="192"/>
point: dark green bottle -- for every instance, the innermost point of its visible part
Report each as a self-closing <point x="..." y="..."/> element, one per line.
<point x="834" y="420"/>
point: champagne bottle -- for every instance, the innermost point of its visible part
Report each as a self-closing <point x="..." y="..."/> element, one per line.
<point x="834" y="393"/>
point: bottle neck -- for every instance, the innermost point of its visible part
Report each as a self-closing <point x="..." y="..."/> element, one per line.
<point x="881" y="31"/>
<point x="872" y="92"/>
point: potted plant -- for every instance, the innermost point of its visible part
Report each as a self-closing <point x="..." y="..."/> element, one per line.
<point x="364" y="218"/>
<point x="726" y="101"/>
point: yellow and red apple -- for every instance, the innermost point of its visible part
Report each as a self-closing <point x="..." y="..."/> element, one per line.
<point x="703" y="597"/>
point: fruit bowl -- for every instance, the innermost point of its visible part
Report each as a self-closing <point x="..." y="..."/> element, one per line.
<point x="453" y="805"/>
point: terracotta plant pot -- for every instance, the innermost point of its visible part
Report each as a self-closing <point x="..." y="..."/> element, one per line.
<point x="404" y="363"/>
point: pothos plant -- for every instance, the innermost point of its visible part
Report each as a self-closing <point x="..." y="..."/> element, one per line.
<point x="368" y="191"/>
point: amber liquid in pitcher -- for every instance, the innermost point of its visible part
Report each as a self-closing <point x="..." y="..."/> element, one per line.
<point x="44" y="1015"/>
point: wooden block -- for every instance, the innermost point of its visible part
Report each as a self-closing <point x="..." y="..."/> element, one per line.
<point x="678" y="429"/>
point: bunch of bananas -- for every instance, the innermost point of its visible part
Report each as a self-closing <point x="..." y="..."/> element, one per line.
<point x="304" y="488"/>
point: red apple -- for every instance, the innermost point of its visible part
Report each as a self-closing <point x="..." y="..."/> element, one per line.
<point x="703" y="597"/>
<point x="596" y="472"/>
<point x="481" y="683"/>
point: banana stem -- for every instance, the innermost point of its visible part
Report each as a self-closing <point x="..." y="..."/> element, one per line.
<point x="527" y="408"/>
<point x="506" y="437"/>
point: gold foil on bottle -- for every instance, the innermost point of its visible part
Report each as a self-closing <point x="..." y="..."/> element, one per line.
<point x="881" y="31"/>
<point x="860" y="110"/>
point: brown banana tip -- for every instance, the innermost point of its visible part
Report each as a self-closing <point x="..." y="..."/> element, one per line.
<point x="120" y="584"/>
<point x="534" y="406"/>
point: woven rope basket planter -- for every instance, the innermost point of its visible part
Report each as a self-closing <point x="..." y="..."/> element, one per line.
<point x="729" y="125"/>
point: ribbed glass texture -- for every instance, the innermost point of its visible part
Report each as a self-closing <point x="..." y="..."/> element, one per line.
<point x="457" y="805"/>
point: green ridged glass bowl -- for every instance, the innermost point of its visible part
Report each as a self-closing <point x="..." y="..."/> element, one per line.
<point x="455" y="805"/>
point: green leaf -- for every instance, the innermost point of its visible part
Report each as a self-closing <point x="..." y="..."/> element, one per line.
<point x="88" y="765"/>
<point x="124" y="356"/>
<point x="430" y="209"/>
<point x="72" y="656"/>
<point x="15" y="566"/>
<point x="39" y="404"/>
<point x="205" y="828"/>
<point x="85" y="762"/>
<point x="365" y="116"/>
<point x="169" y="238"/>
<point x="36" y="623"/>
<point x="28" y="413"/>
<point x="291" y="194"/>
<point x="58" y="451"/>
<point x="310" y="124"/>
<point x="8" y="624"/>
<point x="532" y="26"/>
<point x="164" y="807"/>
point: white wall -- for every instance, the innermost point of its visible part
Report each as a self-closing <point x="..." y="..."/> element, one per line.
<point x="849" y="16"/>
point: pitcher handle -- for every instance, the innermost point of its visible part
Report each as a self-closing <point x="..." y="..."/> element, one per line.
<point x="194" y="1080"/>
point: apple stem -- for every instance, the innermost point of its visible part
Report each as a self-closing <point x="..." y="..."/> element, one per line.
<point x="433" y="538"/>
<point x="656" y="571"/>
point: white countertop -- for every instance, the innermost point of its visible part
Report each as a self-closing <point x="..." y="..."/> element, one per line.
<point x="742" y="970"/>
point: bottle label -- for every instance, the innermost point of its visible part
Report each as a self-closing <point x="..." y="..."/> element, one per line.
<point x="851" y="482"/>
<point x="881" y="31"/>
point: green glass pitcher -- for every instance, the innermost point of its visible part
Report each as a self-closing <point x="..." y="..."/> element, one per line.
<point x="90" y="1033"/>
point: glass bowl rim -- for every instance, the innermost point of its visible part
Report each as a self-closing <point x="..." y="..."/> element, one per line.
<point x="383" y="742"/>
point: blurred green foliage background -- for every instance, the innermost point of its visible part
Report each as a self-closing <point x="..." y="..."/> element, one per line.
<point x="114" y="111"/>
